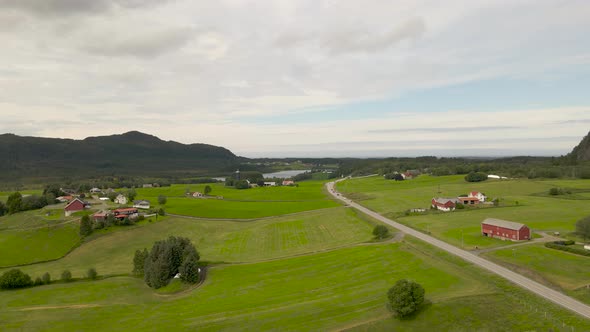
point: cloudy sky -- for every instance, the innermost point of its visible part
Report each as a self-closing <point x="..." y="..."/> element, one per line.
<point x="302" y="78"/>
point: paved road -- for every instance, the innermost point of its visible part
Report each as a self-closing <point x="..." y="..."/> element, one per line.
<point x="535" y="287"/>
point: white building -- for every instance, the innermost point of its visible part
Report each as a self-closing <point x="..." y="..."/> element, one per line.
<point x="480" y="196"/>
<point x="121" y="199"/>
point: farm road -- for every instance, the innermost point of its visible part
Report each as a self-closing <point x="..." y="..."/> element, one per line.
<point x="524" y="282"/>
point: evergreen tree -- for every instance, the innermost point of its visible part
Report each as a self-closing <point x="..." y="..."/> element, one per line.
<point x="85" y="226"/>
<point x="139" y="261"/>
<point x="46" y="278"/>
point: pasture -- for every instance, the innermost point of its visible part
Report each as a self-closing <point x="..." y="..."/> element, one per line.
<point x="218" y="240"/>
<point x="339" y="289"/>
<point x="241" y="204"/>
<point x="565" y="270"/>
<point x="519" y="202"/>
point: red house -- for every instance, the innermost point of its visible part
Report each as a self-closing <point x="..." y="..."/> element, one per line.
<point x="125" y="213"/>
<point x="75" y="206"/>
<point x="505" y="230"/>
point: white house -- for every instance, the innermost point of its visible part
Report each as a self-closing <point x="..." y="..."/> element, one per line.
<point x="480" y="196"/>
<point x="270" y="184"/>
<point x="121" y="199"/>
<point x="141" y="204"/>
<point x="197" y="194"/>
<point x="95" y="190"/>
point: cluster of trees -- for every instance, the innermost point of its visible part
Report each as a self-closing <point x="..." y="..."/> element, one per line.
<point x="394" y="176"/>
<point x="583" y="228"/>
<point x="16" y="278"/>
<point x="405" y="297"/>
<point x="476" y="177"/>
<point x="175" y="255"/>
<point x="380" y="232"/>
<point x="558" y="191"/>
<point x="17" y="203"/>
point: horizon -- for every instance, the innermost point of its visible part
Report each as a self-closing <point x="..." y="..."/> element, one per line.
<point x="307" y="78"/>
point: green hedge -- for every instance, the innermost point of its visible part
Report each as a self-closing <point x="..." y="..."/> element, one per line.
<point x="573" y="250"/>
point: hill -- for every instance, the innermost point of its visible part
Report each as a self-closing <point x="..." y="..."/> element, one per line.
<point x="131" y="153"/>
<point x="582" y="151"/>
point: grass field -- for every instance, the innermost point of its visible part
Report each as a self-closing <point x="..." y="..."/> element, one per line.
<point x="31" y="236"/>
<point x="4" y="194"/>
<point x="229" y="241"/>
<point x="338" y="289"/>
<point x="241" y="204"/>
<point x="462" y="227"/>
<point x="554" y="267"/>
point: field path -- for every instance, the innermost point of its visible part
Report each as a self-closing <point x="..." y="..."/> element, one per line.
<point x="533" y="286"/>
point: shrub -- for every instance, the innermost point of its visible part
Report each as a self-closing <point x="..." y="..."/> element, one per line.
<point x="573" y="250"/>
<point x="554" y="191"/>
<point x="459" y="206"/>
<point x="161" y="212"/>
<point x="405" y="297"/>
<point x="15" y="278"/>
<point x="92" y="274"/>
<point x="380" y="231"/>
<point x="476" y="177"/>
<point x="38" y="281"/>
<point x="46" y="278"/>
<point x="85" y="226"/>
<point x="66" y="276"/>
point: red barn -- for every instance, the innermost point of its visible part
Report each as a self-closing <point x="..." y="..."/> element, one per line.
<point x="75" y="206"/>
<point x="505" y="230"/>
<point x="444" y="204"/>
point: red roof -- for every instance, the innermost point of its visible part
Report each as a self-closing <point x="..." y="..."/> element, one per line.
<point x="75" y="205"/>
<point x="474" y="193"/>
<point x="469" y="199"/>
<point x="125" y="210"/>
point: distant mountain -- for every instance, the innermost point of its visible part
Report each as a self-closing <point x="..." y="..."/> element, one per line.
<point x="582" y="151"/>
<point x="132" y="153"/>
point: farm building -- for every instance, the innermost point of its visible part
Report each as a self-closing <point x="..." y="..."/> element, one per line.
<point x="288" y="182"/>
<point x="480" y="196"/>
<point x="505" y="230"/>
<point x="141" y="204"/>
<point x="75" y="206"/>
<point x="197" y="194"/>
<point x="63" y="199"/>
<point x="100" y="216"/>
<point x="270" y="183"/>
<point x="95" y="190"/>
<point x="121" y="199"/>
<point x="469" y="200"/>
<point x="444" y="204"/>
<point x="125" y="212"/>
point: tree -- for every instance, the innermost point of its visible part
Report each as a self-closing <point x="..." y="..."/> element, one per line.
<point x="583" y="227"/>
<point x="380" y="231"/>
<point x="131" y="194"/>
<point x="38" y="281"/>
<point x="112" y="196"/>
<point x="92" y="274"/>
<point x="46" y="278"/>
<point x="207" y="190"/>
<point x="166" y="258"/>
<point x="189" y="270"/>
<point x="66" y="276"/>
<point x="475" y="177"/>
<point x="162" y="200"/>
<point x="139" y="261"/>
<point x="161" y="212"/>
<point x="15" y="278"/>
<point x="85" y="226"/>
<point x="14" y="203"/>
<point x="241" y="184"/>
<point x="405" y="297"/>
<point x="3" y="209"/>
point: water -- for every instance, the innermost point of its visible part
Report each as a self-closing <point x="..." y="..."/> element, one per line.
<point x="284" y="174"/>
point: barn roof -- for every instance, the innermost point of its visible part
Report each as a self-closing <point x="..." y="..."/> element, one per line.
<point x="503" y="223"/>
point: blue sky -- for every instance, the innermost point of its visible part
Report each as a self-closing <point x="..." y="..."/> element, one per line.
<point x="302" y="78"/>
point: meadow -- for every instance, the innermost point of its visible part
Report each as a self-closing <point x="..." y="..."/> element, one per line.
<point x="218" y="240"/>
<point x="339" y="289"/>
<point x="520" y="201"/>
<point x="240" y="204"/>
<point x="562" y="270"/>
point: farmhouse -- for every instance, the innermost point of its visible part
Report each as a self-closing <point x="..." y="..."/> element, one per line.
<point x="141" y="204"/>
<point x="125" y="213"/>
<point x="121" y="199"/>
<point x="444" y="204"/>
<point x="270" y="184"/>
<point x="469" y="200"/>
<point x="75" y="206"/>
<point x="480" y="196"/>
<point x="197" y="194"/>
<point x="63" y="199"/>
<point x="505" y="230"/>
<point x="288" y="182"/>
<point x="100" y="216"/>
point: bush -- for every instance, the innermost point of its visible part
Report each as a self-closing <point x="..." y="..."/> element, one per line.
<point x="46" y="278"/>
<point x="38" y="281"/>
<point x="562" y="247"/>
<point x="380" y="231"/>
<point x="476" y="177"/>
<point x="15" y="278"/>
<point x="554" y="191"/>
<point x="85" y="226"/>
<point x="459" y="206"/>
<point x="405" y="297"/>
<point x="92" y="274"/>
<point x="66" y="276"/>
<point x="161" y="212"/>
<point x="241" y="184"/>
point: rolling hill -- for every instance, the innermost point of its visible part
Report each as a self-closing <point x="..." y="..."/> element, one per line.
<point x="582" y="151"/>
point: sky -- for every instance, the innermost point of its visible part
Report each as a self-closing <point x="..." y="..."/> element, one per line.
<point x="285" y="78"/>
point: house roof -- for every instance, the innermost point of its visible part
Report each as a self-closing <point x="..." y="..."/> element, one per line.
<point x="474" y="193"/>
<point x="469" y="198"/>
<point x="125" y="210"/>
<point x="141" y="202"/>
<point x="503" y="223"/>
<point x="76" y="200"/>
<point x="442" y="200"/>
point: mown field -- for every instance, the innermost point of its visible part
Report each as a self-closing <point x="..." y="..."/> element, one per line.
<point x="218" y="240"/>
<point x="4" y="194"/>
<point x="520" y="201"/>
<point x="339" y="289"/>
<point x="31" y="236"/>
<point x="241" y="204"/>
<point x="566" y="271"/>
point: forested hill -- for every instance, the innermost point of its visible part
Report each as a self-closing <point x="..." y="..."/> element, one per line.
<point x="582" y="151"/>
<point x="132" y="153"/>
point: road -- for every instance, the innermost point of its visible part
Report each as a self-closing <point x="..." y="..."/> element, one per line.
<point x="533" y="286"/>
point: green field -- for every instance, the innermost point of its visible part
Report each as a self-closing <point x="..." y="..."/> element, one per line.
<point x="31" y="236"/>
<point x="228" y="241"/>
<point x="241" y="204"/>
<point x="4" y="194"/>
<point x="519" y="202"/>
<point x="557" y="268"/>
<point x="338" y="289"/>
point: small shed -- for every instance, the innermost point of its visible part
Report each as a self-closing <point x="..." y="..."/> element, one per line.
<point x="505" y="230"/>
